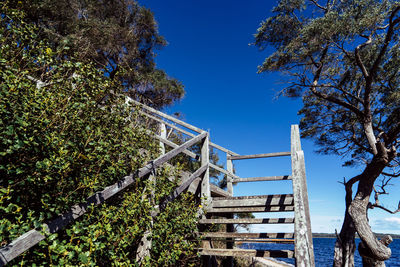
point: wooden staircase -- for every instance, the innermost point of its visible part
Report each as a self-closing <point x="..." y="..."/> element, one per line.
<point x="223" y="211"/>
<point x="221" y="206"/>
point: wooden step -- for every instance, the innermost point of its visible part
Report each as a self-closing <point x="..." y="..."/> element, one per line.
<point x="248" y="253"/>
<point x="248" y="235"/>
<point x="282" y="208"/>
<point x="248" y="221"/>
<point x="253" y="201"/>
<point x="265" y="178"/>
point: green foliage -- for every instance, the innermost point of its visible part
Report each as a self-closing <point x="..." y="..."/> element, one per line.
<point x="62" y="141"/>
<point x="118" y="36"/>
<point x="343" y="59"/>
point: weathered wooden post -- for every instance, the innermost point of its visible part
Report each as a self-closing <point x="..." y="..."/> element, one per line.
<point x="229" y="227"/>
<point x="205" y="183"/>
<point x="229" y="168"/>
<point x="163" y="134"/>
<point x="304" y="250"/>
<point x="144" y="248"/>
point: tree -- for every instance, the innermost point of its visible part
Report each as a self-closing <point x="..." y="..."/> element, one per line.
<point x="343" y="57"/>
<point x="118" y="36"/>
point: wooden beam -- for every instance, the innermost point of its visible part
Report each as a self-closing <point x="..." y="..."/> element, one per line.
<point x="248" y="252"/>
<point x="280" y="208"/>
<point x="205" y="183"/>
<point x="218" y="192"/>
<point x="229" y="169"/>
<point x="199" y="172"/>
<point x="168" y="117"/>
<point x="169" y="155"/>
<point x="258" y="201"/>
<point x="248" y="221"/>
<point x="266" y="178"/>
<point x="173" y="145"/>
<point x="247" y="235"/>
<point x="215" y="167"/>
<point x="256" y="156"/>
<point x="304" y="244"/>
<point x="223" y="149"/>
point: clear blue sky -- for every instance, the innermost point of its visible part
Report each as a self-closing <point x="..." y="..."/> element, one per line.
<point x="208" y="51"/>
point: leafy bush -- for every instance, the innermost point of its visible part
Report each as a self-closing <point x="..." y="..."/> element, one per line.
<point x="62" y="141"/>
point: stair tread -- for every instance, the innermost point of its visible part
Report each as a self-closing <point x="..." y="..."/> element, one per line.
<point x="280" y="208"/>
<point x="253" y="201"/>
<point x="248" y="221"/>
<point x="248" y="235"/>
<point x="248" y="252"/>
<point x="252" y="197"/>
<point x="263" y="178"/>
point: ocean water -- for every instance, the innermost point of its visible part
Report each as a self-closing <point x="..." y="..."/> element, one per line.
<point x="323" y="251"/>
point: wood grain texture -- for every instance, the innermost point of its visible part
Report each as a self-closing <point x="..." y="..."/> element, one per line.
<point x="256" y="156"/>
<point x="304" y="244"/>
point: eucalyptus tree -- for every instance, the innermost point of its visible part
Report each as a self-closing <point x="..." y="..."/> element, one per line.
<point x="343" y="60"/>
<point x="119" y="36"/>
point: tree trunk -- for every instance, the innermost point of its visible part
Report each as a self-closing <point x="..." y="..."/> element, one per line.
<point x="365" y="253"/>
<point x="359" y="207"/>
<point x="345" y="245"/>
<point x="373" y="251"/>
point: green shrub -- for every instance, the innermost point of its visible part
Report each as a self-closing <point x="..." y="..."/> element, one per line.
<point x="64" y="141"/>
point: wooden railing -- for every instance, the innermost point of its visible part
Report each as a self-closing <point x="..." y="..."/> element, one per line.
<point x="166" y="123"/>
<point x="34" y="236"/>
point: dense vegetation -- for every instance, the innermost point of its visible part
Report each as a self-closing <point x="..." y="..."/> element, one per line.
<point x="343" y="59"/>
<point x="65" y="133"/>
<point x="117" y="36"/>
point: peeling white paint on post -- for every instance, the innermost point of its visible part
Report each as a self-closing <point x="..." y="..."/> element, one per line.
<point x="205" y="183"/>
<point x="304" y="251"/>
<point x="229" y="168"/>
<point x="163" y="135"/>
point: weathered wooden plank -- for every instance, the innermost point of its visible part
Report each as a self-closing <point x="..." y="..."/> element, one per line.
<point x="199" y="172"/>
<point x="239" y="241"/>
<point x="218" y="192"/>
<point x="282" y="208"/>
<point x="169" y="155"/>
<point x="269" y="262"/>
<point x="205" y="183"/>
<point x="173" y="145"/>
<point x="229" y="168"/>
<point x="253" y="197"/>
<point x="264" y="201"/>
<point x="223" y="171"/>
<point x="163" y="135"/>
<point x="256" y="156"/>
<point x="248" y="235"/>
<point x="265" y="178"/>
<point x="171" y="118"/>
<point x="155" y="118"/>
<point x="248" y="252"/>
<point x="303" y="236"/>
<point x="248" y="221"/>
<point x="223" y="149"/>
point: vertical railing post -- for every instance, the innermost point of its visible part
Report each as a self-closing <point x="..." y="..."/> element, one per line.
<point x="229" y="168"/>
<point x="144" y="247"/>
<point x="304" y="251"/>
<point x="163" y="134"/>
<point x="229" y="227"/>
<point x="205" y="182"/>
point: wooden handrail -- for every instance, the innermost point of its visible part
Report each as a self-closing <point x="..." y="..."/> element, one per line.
<point x="256" y="156"/>
<point x="33" y="237"/>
